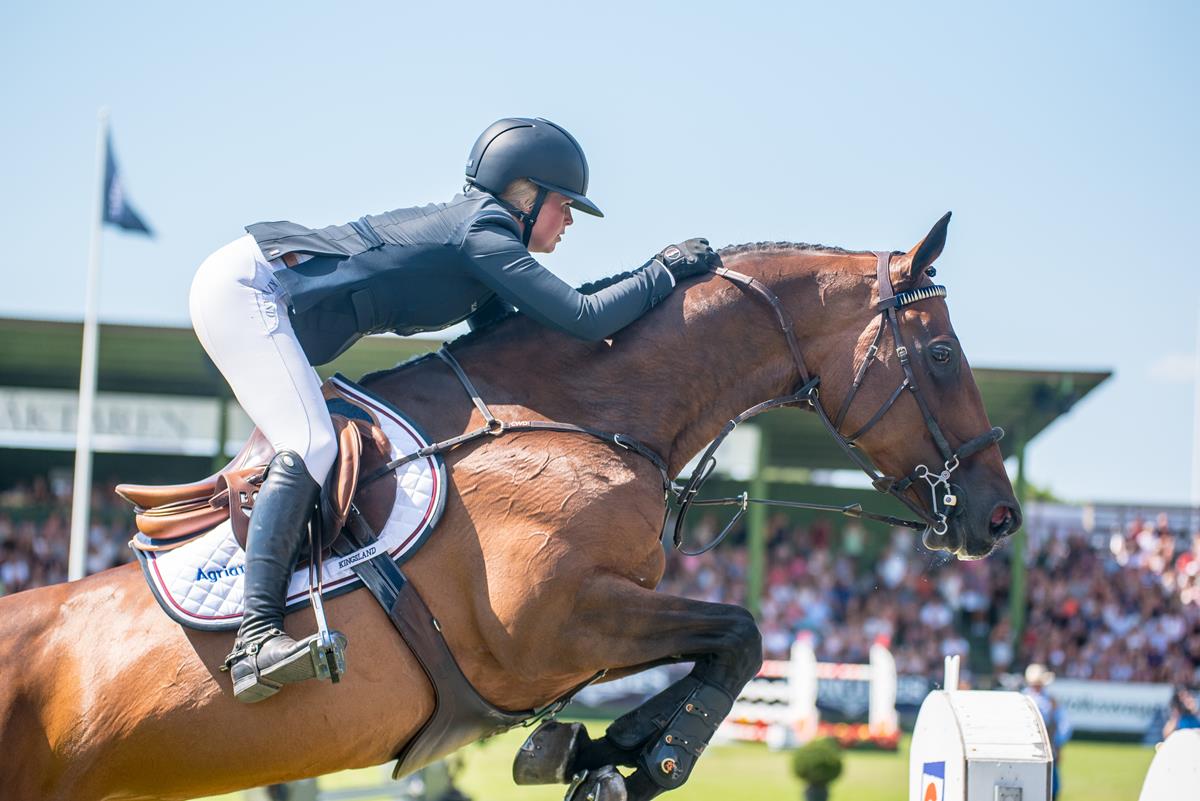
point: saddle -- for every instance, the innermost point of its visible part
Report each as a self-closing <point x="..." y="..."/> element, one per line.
<point x="172" y="515"/>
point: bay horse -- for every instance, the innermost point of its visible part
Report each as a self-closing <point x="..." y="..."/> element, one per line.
<point x="543" y="570"/>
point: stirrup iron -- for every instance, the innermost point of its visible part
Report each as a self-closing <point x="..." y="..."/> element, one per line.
<point x="328" y="654"/>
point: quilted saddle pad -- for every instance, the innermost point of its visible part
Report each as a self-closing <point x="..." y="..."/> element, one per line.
<point x="200" y="584"/>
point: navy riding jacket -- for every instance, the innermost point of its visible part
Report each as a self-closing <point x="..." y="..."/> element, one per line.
<point x="429" y="267"/>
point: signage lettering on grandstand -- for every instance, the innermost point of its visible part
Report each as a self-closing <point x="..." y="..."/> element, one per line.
<point x="124" y="423"/>
<point x="1111" y="707"/>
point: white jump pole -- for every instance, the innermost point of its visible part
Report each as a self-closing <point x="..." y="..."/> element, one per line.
<point x="882" y="718"/>
<point x="950" y="679"/>
<point x="802" y="688"/>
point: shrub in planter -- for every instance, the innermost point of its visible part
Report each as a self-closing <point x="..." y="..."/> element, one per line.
<point x="817" y="763"/>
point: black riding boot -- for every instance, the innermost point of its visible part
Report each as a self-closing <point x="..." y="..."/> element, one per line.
<point x="264" y="658"/>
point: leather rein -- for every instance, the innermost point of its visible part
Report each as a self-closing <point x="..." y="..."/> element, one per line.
<point x="805" y="396"/>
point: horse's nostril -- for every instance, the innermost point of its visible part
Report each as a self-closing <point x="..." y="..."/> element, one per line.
<point x="1004" y="521"/>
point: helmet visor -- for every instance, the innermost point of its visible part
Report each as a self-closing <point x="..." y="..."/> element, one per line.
<point x="578" y="201"/>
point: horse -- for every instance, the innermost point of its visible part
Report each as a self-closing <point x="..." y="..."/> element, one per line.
<point x="542" y="572"/>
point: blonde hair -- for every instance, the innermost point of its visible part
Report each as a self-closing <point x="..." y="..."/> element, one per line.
<point x="520" y="193"/>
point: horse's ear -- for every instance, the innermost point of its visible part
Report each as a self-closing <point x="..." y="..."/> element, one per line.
<point x="917" y="260"/>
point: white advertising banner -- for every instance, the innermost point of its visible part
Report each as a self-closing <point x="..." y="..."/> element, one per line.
<point x="1109" y="706"/>
<point x="738" y="456"/>
<point x="123" y="423"/>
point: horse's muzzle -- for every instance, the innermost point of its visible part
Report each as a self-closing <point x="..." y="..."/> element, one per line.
<point x="971" y="535"/>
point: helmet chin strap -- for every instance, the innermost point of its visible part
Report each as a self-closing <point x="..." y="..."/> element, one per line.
<point x="530" y="218"/>
<point x="527" y="218"/>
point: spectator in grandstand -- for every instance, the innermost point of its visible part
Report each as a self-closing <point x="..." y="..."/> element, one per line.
<point x="1185" y="712"/>
<point x="35" y="534"/>
<point x="894" y="565"/>
<point x="1037" y="679"/>
<point x="1000" y="647"/>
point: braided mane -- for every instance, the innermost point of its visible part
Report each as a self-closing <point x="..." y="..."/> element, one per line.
<point x="757" y="247"/>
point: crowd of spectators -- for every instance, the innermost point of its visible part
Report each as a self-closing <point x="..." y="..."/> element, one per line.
<point x="1119" y="605"/>
<point x="35" y="532"/>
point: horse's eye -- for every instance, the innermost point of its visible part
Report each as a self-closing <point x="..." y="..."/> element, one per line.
<point x="941" y="353"/>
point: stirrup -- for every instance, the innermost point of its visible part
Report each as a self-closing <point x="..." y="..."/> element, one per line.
<point x="328" y="652"/>
<point x="317" y="657"/>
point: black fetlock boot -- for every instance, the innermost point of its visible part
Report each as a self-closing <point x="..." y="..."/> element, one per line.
<point x="264" y="658"/>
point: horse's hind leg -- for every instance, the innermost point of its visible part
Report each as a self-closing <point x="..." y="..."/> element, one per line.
<point x="628" y="626"/>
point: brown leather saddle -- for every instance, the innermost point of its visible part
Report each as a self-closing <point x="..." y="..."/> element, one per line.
<point x="172" y="515"/>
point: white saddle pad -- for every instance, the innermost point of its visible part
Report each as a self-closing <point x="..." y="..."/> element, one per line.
<point x="200" y="584"/>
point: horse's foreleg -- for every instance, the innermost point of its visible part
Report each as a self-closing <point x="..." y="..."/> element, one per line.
<point x="665" y="736"/>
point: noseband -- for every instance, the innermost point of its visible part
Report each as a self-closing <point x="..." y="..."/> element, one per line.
<point x="943" y="500"/>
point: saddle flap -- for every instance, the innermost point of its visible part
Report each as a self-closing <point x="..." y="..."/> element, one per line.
<point x="343" y="481"/>
<point x="239" y="488"/>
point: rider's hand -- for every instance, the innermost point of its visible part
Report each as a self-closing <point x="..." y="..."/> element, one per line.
<point x="689" y="258"/>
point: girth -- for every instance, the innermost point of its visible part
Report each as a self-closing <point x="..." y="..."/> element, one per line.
<point x="460" y="714"/>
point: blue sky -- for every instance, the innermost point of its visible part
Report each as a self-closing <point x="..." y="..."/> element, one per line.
<point x="1063" y="136"/>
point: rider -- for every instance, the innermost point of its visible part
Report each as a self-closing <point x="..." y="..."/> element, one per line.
<point x="268" y="306"/>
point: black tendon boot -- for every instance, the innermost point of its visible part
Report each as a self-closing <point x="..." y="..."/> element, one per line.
<point x="264" y="658"/>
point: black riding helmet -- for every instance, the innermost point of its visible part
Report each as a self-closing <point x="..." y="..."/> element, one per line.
<point x="536" y="149"/>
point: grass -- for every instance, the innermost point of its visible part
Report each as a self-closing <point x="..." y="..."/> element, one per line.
<point x="1090" y="772"/>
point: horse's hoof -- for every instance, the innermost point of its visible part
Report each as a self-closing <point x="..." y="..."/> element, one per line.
<point x="602" y="784"/>
<point x="546" y="755"/>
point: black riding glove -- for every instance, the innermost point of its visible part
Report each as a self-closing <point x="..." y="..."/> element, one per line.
<point x="689" y="258"/>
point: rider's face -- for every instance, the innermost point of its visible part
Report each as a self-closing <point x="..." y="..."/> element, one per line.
<point x="552" y="221"/>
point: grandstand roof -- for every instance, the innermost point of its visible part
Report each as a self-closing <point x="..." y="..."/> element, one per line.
<point x="152" y="359"/>
<point x="164" y="360"/>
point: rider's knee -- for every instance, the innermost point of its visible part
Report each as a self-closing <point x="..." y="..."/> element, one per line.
<point x="321" y="452"/>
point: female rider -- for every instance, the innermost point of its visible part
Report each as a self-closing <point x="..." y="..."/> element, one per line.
<point x="270" y="305"/>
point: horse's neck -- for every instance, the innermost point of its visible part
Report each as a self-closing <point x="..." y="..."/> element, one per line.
<point x="675" y="377"/>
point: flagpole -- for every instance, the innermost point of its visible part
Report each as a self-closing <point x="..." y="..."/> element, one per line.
<point x="82" y="493"/>
<point x="1195" y="488"/>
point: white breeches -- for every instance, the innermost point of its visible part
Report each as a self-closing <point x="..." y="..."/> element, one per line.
<point x="239" y="312"/>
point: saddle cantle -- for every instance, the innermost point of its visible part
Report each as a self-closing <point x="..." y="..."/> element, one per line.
<point x="171" y="515"/>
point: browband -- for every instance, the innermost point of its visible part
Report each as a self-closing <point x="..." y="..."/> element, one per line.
<point x="920" y="293"/>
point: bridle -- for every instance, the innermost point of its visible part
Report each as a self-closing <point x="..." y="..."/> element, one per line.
<point x="943" y="494"/>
